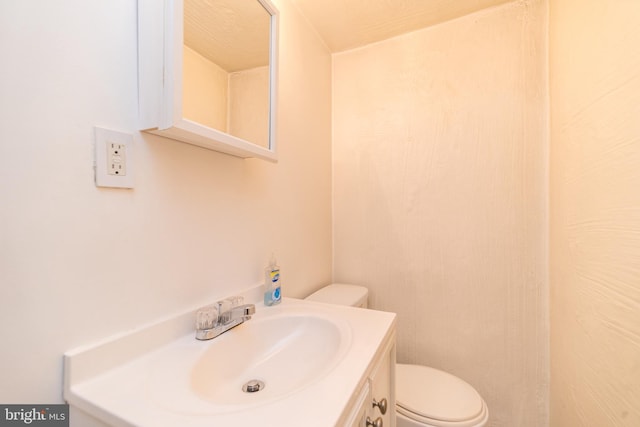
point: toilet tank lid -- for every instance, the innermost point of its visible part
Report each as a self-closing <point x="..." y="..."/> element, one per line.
<point x="341" y="294"/>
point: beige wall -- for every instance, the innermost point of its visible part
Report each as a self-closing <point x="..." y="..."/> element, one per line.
<point x="236" y="103"/>
<point x="249" y="105"/>
<point x="595" y="205"/>
<point x="205" y="88"/>
<point x="79" y="263"/>
<point x="440" y="198"/>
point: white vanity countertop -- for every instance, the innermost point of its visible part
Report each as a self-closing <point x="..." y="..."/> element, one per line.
<point x="140" y="379"/>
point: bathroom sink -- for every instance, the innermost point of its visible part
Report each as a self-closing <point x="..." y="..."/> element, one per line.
<point x="311" y="357"/>
<point x="276" y="355"/>
<point x="284" y="353"/>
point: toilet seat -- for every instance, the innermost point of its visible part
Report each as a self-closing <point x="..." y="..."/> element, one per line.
<point x="437" y="398"/>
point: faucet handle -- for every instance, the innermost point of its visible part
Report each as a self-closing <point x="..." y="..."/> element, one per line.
<point x="236" y="301"/>
<point x="227" y="304"/>
<point x="207" y="317"/>
<point x="223" y="306"/>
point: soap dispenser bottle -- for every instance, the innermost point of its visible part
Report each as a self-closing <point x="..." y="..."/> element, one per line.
<point x="272" y="294"/>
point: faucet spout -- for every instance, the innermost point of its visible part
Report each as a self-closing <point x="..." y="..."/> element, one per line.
<point x="243" y="312"/>
<point x="215" y="320"/>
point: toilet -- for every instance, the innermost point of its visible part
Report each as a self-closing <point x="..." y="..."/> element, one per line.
<point x="425" y="397"/>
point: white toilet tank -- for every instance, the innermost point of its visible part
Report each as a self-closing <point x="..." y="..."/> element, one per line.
<point x="341" y="294"/>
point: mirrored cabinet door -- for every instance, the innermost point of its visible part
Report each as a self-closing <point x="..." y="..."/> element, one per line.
<point x="207" y="73"/>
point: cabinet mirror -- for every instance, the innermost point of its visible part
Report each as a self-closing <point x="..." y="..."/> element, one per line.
<point x="208" y="73"/>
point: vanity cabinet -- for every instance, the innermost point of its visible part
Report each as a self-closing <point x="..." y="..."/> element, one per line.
<point x="358" y="415"/>
<point x="374" y="404"/>
<point x="383" y="390"/>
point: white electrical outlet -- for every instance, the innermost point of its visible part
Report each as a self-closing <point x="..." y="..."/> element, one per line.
<point x="114" y="159"/>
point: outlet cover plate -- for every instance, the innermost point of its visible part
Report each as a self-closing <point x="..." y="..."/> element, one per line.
<point x="113" y="146"/>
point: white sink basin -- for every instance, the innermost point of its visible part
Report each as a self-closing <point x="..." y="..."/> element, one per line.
<point x="312" y="358"/>
<point x="284" y="352"/>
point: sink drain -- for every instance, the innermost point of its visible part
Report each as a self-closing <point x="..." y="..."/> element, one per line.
<point x="253" y="386"/>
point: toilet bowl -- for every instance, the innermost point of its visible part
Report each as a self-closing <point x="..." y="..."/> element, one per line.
<point x="425" y="397"/>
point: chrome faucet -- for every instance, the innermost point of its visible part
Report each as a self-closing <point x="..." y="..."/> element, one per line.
<point x="218" y="318"/>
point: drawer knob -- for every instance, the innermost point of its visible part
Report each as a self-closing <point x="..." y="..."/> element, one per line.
<point x="376" y="423"/>
<point x="382" y="405"/>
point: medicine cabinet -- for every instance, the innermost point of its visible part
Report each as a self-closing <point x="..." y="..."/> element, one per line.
<point x="207" y="73"/>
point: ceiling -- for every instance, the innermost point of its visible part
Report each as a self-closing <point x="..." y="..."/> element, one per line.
<point x="347" y="24"/>
<point x="235" y="33"/>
